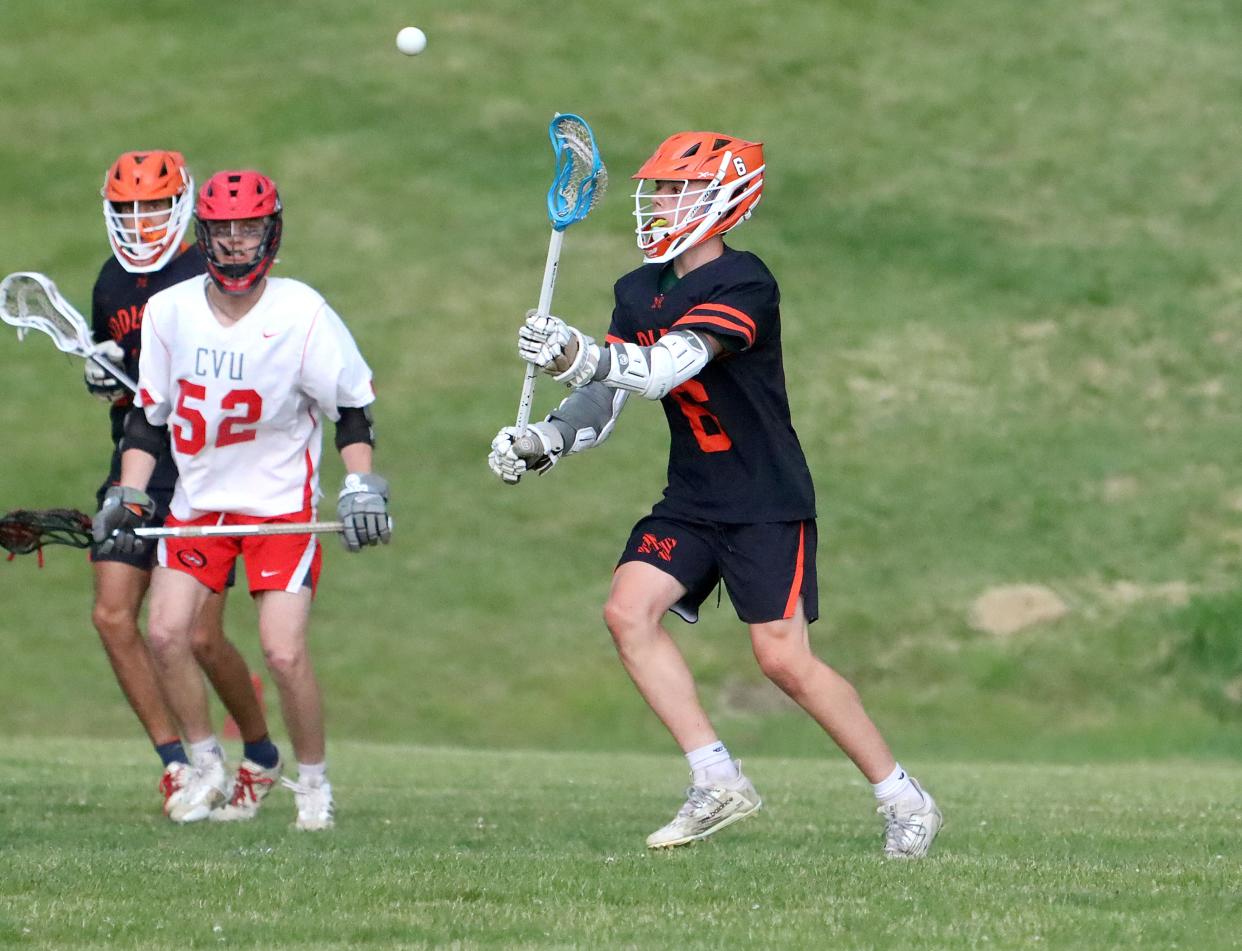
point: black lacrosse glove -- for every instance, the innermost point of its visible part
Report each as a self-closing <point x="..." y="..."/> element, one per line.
<point x="363" y="508"/>
<point x="123" y="510"/>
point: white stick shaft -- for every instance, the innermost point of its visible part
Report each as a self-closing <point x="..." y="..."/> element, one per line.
<point x="544" y="308"/>
<point x="229" y="531"/>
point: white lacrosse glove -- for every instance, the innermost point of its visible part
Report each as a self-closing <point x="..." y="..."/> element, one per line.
<point x="559" y="349"/>
<point x="515" y="453"/>
<point x="99" y="382"/>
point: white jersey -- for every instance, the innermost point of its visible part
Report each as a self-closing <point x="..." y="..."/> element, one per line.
<point x="244" y="403"/>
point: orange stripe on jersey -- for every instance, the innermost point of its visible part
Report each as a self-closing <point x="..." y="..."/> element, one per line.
<point x="725" y="309"/>
<point x="699" y="319"/>
<point x="795" y="590"/>
<point x="612" y="338"/>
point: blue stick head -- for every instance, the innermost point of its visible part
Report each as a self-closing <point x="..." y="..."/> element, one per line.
<point x="581" y="178"/>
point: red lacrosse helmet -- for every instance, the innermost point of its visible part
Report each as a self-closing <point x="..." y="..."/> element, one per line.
<point x="249" y="201"/>
<point x="721" y="180"/>
<point x="144" y="239"/>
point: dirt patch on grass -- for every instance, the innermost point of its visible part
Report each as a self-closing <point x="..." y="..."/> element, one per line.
<point x="1011" y="608"/>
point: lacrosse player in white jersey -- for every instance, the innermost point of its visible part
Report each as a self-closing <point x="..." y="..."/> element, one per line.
<point x="238" y="370"/>
<point x="148" y="201"/>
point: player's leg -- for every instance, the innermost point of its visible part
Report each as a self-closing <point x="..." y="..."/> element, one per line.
<point x="119" y="590"/>
<point x="639" y="598"/>
<point x="225" y="667"/>
<point x="770" y="573"/>
<point x="283" y="622"/>
<point x="176" y="600"/>
<point x="667" y="566"/>
<point x="783" y="651"/>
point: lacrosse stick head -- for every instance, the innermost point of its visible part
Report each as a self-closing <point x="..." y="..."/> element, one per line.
<point x="23" y="531"/>
<point x="31" y="301"/>
<point x="148" y="198"/>
<point x="696" y="185"/>
<point x="581" y="178"/>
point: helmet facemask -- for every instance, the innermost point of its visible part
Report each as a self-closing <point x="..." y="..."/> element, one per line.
<point x="232" y="276"/>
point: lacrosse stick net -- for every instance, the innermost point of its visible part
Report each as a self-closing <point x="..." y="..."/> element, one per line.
<point x="23" y="531"/>
<point x="581" y="178"/>
<point x="31" y="301"/>
<point x="577" y="188"/>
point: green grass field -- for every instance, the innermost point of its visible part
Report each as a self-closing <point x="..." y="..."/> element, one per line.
<point x="1008" y="244"/>
<point x="441" y="847"/>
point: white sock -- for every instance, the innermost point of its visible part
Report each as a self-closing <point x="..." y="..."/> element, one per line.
<point x="204" y="750"/>
<point x="897" y="787"/>
<point x="712" y="763"/>
<point x="312" y="774"/>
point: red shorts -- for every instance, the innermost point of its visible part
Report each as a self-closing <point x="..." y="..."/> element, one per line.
<point x="273" y="562"/>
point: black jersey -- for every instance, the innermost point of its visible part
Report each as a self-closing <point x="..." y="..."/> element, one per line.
<point x="734" y="456"/>
<point x="117" y="305"/>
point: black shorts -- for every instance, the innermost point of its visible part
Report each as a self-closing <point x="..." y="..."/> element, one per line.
<point x="766" y="566"/>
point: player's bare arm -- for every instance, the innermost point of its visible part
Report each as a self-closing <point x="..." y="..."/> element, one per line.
<point x="127" y="506"/>
<point x="362" y="504"/>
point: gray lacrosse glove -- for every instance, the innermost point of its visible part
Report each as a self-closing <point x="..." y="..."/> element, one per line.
<point x="515" y="453"/>
<point x="99" y="382"/>
<point x="123" y="510"/>
<point x="363" y="507"/>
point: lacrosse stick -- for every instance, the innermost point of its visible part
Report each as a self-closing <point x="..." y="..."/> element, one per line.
<point x="244" y="531"/>
<point x="31" y="301"/>
<point x="578" y="187"/>
<point x="23" y="531"/>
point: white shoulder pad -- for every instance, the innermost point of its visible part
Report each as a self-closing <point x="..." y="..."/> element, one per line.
<point x="653" y="371"/>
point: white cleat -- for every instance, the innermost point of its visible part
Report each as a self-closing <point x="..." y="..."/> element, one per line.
<point x="173" y="784"/>
<point x="207" y="789"/>
<point x="909" y="833"/>
<point x="315" y="807"/>
<point x="709" y="808"/>
<point x="250" y="787"/>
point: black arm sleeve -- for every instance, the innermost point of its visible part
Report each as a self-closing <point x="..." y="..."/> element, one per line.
<point x="354" y="426"/>
<point x="140" y="434"/>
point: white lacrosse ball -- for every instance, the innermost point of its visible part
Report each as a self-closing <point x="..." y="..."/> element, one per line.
<point x="411" y="40"/>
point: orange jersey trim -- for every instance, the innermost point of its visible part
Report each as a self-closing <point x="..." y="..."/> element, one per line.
<point x="693" y="318"/>
<point x="723" y="316"/>
<point x="795" y="590"/>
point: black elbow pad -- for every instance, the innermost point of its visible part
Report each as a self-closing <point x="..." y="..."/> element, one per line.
<point x="139" y="433"/>
<point x="354" y="426"/>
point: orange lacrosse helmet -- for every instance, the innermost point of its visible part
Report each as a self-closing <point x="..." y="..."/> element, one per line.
<point x="721" y="179"/>
<point x="230" y="203"/>
<point x="144" y="239"/>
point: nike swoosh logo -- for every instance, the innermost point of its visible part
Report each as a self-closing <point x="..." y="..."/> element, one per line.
<point x="274" y="333"/>
<point x="268" y="574"/>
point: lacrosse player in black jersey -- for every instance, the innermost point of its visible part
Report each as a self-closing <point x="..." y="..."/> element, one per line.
<point x="698" y="328"/>
<point x="148" y="200"/>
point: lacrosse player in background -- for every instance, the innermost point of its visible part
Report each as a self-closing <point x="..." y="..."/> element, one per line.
<point x="148" y="198"/>
<point x="239" y="369"/>
<point x="698" y="328"/>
